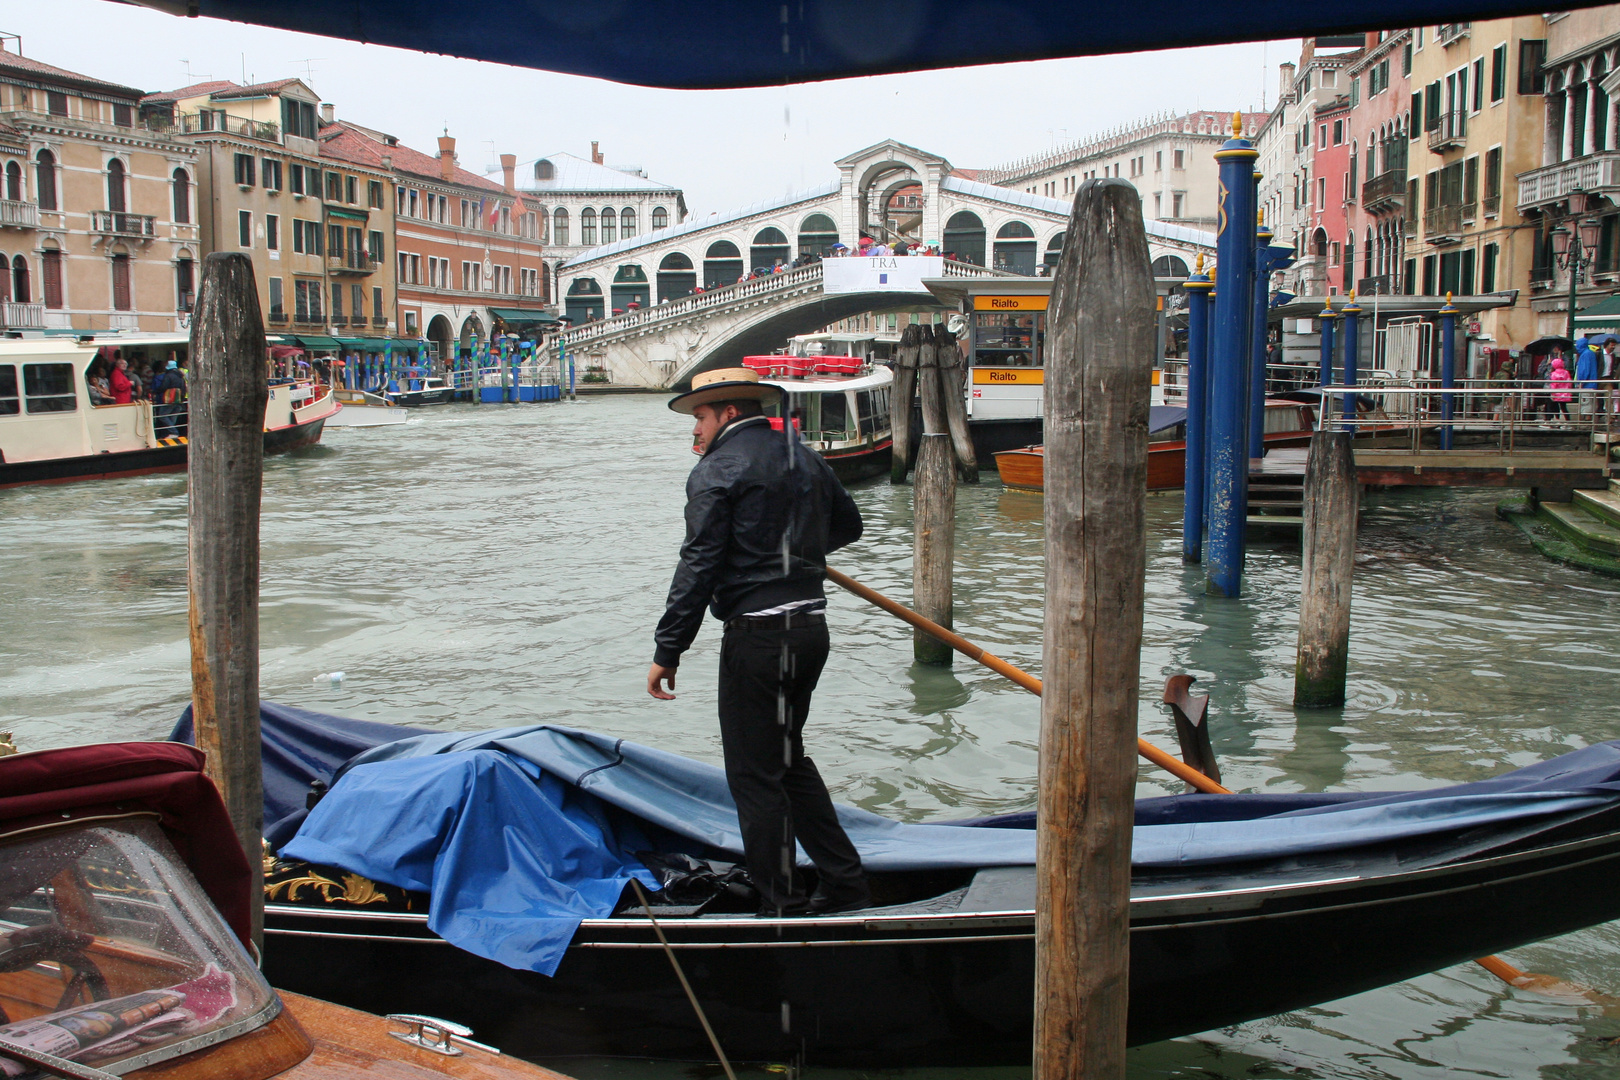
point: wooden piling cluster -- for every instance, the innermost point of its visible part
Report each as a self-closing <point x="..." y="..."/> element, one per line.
<point x="225" y="459"/>
<point x="1100" y="340"/>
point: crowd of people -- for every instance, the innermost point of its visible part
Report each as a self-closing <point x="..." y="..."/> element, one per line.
<point x="113" y="380"/>
<point x="1589" y="380"/>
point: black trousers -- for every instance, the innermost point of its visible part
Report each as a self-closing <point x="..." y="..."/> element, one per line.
<point x="766" y="679"/>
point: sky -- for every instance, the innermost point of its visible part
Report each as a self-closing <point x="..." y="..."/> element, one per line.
<point x="725" y="148"/>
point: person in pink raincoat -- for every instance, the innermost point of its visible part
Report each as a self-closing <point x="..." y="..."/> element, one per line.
<point x="1559" y="381"/>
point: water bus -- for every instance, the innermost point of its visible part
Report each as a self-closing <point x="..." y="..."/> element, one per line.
<point x="50" y="432"/>
<point x="839" y="404"/>
<point x="360" y="408"/>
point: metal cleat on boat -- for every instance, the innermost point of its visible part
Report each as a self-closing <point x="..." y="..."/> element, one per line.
<point x="439" y="1036"/>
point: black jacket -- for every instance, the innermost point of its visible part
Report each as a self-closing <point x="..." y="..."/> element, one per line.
<point x="761" y="515"/>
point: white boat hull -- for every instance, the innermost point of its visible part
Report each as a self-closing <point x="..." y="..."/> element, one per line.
<point x="368" y="416"/>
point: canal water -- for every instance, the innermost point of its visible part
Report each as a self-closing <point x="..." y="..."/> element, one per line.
<point x="492" y="565"/>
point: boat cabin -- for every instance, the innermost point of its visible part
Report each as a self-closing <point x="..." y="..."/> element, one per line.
<point x="1001" y="323"/>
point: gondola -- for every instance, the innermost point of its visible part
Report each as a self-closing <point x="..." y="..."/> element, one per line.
<point x="1242" y="906"/>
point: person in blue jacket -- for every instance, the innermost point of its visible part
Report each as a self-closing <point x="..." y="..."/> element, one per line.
<point x="1586" y="373"/>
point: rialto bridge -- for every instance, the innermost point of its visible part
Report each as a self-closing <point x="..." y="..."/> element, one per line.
<point x="637" y="313"/>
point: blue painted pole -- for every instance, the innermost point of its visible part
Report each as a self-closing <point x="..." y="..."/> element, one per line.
<point x="1257" y="342"/>
<point x="1192" y="513"/>
<point x="1228" y="365"/>
<point x="1448" y="367"/>
<point x="1352" y="355"/>
<point x="1327" y="317"/>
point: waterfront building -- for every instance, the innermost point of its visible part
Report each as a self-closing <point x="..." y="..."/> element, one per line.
<point x="1170" y="159"/>
<point x="587" y="204"/>
<point x="98" y="225"/>
<point x="468" y="253"/>
<point x="1292" y="201"/>
<point x="1376" y="219"/>
<point x="1575" y="179"/>
<point x="261" y="191"/>
<point x="1477" y="118"/>
<point x="1329" y="258"/>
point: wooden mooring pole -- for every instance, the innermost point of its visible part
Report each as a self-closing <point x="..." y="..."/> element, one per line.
<point x="226" y="472"/>
<point x="933" y="552"/>
<point x="1101" y="340"/>
<point x="905" y="391"/>
<point x="1329" y="544"/>
<point x="952" y="395"/>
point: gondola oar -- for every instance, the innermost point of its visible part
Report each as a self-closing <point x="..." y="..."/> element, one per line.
<point x="1542" y="984"/>
<point x="1022" y="678"/>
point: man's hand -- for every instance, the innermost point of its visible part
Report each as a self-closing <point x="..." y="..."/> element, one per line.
<point x="660" y="674"/>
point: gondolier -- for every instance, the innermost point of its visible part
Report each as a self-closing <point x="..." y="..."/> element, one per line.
<point x="762" y="512"/>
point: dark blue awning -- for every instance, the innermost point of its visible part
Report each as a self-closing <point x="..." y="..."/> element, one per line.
<point x="733" y="43"/>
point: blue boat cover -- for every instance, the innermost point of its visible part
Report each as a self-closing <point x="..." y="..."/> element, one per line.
<point x="519" y="833"/>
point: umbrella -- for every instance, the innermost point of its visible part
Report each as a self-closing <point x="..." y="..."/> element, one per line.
<point x="1543" y="345"/>
<point x="1604" y="339"/>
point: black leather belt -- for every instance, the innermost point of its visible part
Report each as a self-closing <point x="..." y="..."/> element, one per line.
<point x="793" y="621"/>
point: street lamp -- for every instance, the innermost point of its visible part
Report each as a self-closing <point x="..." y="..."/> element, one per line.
<point x="1575" y="253"/>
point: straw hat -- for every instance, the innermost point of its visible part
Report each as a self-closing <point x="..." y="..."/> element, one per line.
<point x="724" y="384"/>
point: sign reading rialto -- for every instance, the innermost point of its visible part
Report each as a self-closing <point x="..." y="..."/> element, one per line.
<point x="880" y="273"/>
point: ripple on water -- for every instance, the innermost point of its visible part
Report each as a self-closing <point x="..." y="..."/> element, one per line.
<point x="497" y="565"/>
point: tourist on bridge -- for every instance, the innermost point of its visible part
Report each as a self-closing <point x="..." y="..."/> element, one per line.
<point x="762" y="512"/>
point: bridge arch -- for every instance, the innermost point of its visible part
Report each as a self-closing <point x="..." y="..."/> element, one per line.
<point x="584" y="300"/>
<point x="676" y="277"/>
<point x="630" y="288"/>
<point x="1170" y="266"/>
<point x="722" y="264"/>
<point x="1054" y="249"/>
<point x="817" y="235"/>
<point x="770" y="244"/>
<point x="1015" y="248"/>
<point x="964" y="235"/>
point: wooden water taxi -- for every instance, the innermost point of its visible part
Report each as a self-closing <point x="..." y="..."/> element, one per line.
<point x="1288" y="423"/>
<point x="50" y="432"/>
<point x="359" y="408"/>
<point x="840" y="407"/>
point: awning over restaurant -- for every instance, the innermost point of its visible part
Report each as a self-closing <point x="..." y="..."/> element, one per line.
<point x="523" y="317"/>
<point x="351" y="215"/>
<point x="317" y="341"/>
<point x="1603" y="315"/>
<point x="740" y="43"/>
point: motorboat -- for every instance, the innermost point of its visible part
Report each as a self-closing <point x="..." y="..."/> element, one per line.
<point x="358" y="408"/>
<point x="839" y="405"/>
<point x="427" y="390"/>
<point x="1280" y="901"/>
<point x="50" y="432"/>
<point x="1288" y="423"/>
<point x="125" y="944"/>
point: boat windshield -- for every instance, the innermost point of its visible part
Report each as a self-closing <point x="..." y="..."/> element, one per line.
<point x="111" y="954"/>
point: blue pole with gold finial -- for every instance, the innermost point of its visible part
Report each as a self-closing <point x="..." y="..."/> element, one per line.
<point x="1448" y="366"/>
<point x="1192" y="513"/>
<point x="1228" y="365"/>
<point x="1257" y="338"/>
<point x="1352" y="355"/>
<point x="1328" y="317"/>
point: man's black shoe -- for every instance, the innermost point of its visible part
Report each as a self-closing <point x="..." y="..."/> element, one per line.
<point x="824" y="903"/>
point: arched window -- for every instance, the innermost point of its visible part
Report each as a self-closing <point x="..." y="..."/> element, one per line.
<point x="45" y="180"/>
<point x="14" y="188"/>
<point x="559" y="227"/>
<point x="660" y="218"/>
<point x="817" y="235"/>
<point x="610" y="225"/>
<point x="544" y="170"/>
<point x="1320" y="243"/>
<point x="1015" y="230"/>
<point x="675" y="261"/>
<point x="964" y="237"/>
<point x="1054" y="250"/>
<point x="1367" y="255"/>
<point x="1169" y="266"/>
<point x="19" y="280"/>
<point x="627" y="223"/>
<point x="587" y="227"/>
<point x="676" y="277"/>
<point x="770" y="247"/>
<point x="5" y="280"/>
<point x="116" y="187"/>
<point x="584" y="300"/>
<point x="722" y="249"/>
<point x="1015" y="248"/>
<point x="182" y="197"/>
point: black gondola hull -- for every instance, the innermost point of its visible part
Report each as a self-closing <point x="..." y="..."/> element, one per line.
<point x="947" y="988"/>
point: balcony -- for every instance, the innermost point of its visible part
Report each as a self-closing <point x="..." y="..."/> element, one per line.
<point x="18" y="215"/>
<point x="14" y="316"/>
<point x="1451" y="33"/>
<point x="1451" y="132"/>
<point x="114" y="223"/>
<point x="351" y="262"/>
<point x="276" y="318"/>
<point x="1595" y="174"/>
<point x="1385" y="193"/>
<point x="1493" y="205"/>
<point x="209" y="121"/>
<point x="1443" y="225"/>
<point x="379" y="322"/>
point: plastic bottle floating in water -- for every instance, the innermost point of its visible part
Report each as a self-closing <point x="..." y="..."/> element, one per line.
<point x="333" y="677"/>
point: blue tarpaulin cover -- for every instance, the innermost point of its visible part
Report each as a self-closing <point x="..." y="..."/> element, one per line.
<point x="520" y="833"/>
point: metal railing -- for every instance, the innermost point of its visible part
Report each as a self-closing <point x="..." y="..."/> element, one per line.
<point x="1450" y="131"/>
<point x="359" y="261"/>
<point x="212" y="120"/>
<point x="118" y="223"/>
<point x="1489" y="417"/>
<point x="1443" y="224"/>
<point x="1384" y="191"/>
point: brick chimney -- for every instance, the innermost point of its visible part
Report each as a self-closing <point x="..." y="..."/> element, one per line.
<point x="328" y="112"/>
<point x="508" y="173"/>
<point x="596" y="154"/>
<point x="447" y="157"/>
